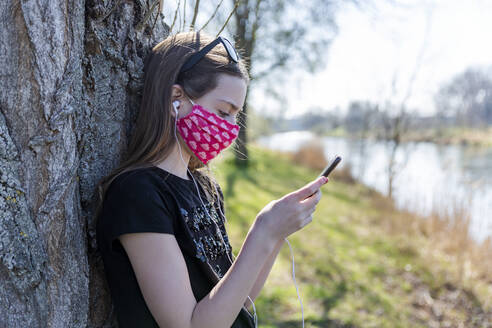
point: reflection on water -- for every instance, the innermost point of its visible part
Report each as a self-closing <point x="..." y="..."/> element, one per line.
<point x="430" y="176"/>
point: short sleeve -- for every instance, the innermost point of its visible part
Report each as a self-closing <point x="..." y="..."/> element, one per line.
<point x="136" y="204"/>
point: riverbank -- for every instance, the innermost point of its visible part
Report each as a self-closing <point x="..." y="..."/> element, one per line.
<point x="445" y="136"/>
<point x="453" y="136"/>
<point x="356" y="264"/>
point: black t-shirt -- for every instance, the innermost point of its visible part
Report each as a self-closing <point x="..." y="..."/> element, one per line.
<point x="153" y="200"/>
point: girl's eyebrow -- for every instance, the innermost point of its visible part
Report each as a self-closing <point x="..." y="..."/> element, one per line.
<point x="234" y="106"/>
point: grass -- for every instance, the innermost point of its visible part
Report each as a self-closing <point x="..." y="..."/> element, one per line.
<point x="355" y="264"/>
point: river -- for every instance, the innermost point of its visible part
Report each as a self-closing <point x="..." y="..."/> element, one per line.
<point x="430" y="177"/>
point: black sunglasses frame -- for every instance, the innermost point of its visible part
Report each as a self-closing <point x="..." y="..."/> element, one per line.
<point x="195" y="58"/>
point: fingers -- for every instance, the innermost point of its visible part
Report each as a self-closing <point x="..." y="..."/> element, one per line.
<point x="306" y="221"/>
<point x="310" y="188"/>
<point x="308" y="205"/>
<point x="314" y="198"/>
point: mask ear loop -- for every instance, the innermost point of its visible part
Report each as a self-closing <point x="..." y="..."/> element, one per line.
<point x="203" y="205"/>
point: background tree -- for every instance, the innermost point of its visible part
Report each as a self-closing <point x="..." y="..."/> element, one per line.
<point x="275" y="36"/>
<point x="396" y="117"/>
<point x="467" y="98"/>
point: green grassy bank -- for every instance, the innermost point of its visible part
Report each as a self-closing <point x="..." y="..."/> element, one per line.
<point x="353" y="269"/>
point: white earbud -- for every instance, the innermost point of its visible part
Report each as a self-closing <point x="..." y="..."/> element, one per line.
<point x="176" y="105"/>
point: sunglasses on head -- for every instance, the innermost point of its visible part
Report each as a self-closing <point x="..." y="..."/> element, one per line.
<point x="195" y="58"/>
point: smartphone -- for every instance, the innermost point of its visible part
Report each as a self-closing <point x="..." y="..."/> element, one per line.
<point x="331" y="167"/>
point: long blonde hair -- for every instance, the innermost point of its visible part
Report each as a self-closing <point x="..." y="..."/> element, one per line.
<point x="153" y="136"/>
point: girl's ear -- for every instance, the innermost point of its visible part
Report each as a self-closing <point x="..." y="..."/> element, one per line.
<point x="177" y="92"/>
<point x="176" y="96"/>
<point x="184" y="103"/>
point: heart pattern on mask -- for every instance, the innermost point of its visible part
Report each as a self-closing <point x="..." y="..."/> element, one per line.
<point x="206" y="133"/>
<point x="194" y="119"/>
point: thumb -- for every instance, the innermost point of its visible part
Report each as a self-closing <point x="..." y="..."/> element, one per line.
<point x="310" y="188"/>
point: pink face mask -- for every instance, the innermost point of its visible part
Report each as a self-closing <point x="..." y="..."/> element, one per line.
<point x="206" y="133"/>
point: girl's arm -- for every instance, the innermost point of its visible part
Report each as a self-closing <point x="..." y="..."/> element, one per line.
<point x="163" y="278"/>
<point x="228" y="296"/>
<point x="265" y="271"/>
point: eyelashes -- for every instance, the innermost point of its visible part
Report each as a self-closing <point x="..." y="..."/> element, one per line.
<point x="223" y="114"/>
<point x="226" y="114"/>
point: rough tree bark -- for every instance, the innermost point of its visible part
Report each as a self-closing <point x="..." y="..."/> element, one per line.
<point x="70" y="81"/>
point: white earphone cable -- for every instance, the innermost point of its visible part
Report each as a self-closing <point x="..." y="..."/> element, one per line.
<point x="204" y="208"/>
<point x="216" y="191"/>
<point x="295" y="283"/>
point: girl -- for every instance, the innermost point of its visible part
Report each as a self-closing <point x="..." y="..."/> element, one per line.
<point x="160" y="228"/>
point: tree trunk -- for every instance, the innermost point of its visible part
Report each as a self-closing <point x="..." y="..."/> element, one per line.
<point x="70" y="80"/>
<point x="240" y="150"/>
<point x="245" y="43"/>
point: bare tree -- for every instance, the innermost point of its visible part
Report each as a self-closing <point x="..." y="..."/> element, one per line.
<point x="396" y="122"/>
<point x="274" y="34"/>
<point x="394" y="128"/>
<point x="467" y="98"/>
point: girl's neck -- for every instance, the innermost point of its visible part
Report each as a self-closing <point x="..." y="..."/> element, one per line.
<point x="174" y="164"/>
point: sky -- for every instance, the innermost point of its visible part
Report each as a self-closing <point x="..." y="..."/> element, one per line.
<point x="432" y="40"/>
